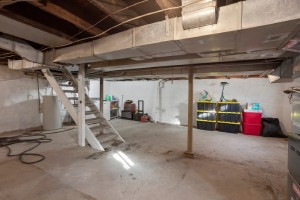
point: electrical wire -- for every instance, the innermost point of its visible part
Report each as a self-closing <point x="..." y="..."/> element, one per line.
<point x="35" y="138"/>
<point x="107" y="16"/>
<point x="121" y="23"/>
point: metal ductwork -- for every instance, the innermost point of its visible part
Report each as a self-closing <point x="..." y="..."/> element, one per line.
<point x="248" y="30"/>
<point x="21" y="48"/>
<point x="30" y="33"/>
<point x="255" y="29"/>
<point x="25" y="64"/>
<point x="283" y="73"/>
<point x="196" y="14"/>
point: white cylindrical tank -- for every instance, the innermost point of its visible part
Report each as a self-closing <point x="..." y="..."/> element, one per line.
<point x="51" y="113"/>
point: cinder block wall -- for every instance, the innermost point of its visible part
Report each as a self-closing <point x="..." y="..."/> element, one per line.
<point x="18" y="101"/>
<point x="172" y="103"/>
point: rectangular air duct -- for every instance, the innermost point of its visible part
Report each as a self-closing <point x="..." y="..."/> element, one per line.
<point x="198" y="13"/>
<point x="293" y="45"/>
<point x="283" y="73"/>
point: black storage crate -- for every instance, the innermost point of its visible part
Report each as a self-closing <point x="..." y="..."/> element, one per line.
<point x="206" y="106"/>
<point x="229" y="128"/>
<point x="209" y="126"/>
<point x="229" y="117"/>
<point x="229" y="107"/>
<point x="206" y="115"/>
<point x="126" y="114"/>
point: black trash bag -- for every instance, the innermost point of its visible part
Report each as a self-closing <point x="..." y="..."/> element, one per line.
<point x="271" y="128"/>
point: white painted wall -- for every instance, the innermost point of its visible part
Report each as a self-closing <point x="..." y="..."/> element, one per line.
<point x="273" y="101"/>
<point x="18" y="100"/>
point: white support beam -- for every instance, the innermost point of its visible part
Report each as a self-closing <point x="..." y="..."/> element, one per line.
<point x="81" y="105"/>
<point x="189" y="153"/>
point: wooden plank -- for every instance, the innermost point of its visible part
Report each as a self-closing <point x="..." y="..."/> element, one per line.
<point x="68" y="16"/>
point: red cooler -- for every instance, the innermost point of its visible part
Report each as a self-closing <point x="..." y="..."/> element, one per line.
<point x="251" y="129"/>
<point x="252" y="122"/>
<point x="252" y="117"/>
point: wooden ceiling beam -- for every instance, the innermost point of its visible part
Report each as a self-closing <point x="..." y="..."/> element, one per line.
<point x="168" y="4"/>
<point x="112" y="6"/>
<point x="9" y="2"/>
<point x="68" y="16"/>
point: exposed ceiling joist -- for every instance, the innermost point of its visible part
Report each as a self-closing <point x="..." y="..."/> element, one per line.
<point x="110" y="7"/>
<point x="168" y="4"/>
<point x="68" y="16"/>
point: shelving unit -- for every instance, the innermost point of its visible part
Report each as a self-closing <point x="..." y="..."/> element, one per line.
<point x="224" y="116"/>
<point x="229" y="117"/>
<point x="111" y="109"/>
<point x="206" y="115"/>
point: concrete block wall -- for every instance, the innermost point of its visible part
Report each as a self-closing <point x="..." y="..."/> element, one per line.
<point x="18" y="101"/>
<point x="171" y="107"/>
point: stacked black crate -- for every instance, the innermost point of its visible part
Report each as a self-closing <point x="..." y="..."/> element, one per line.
<point x="229" y="117"/>
<point x="206" y="115"/>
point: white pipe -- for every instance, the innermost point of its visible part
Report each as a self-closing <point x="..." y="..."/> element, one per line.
<point x="160" y="85"/>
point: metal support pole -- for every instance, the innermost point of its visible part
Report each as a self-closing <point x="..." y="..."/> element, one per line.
<point x="81" y="105"/>
<point x="101" y="93"/>
<point x="189" y="153"/>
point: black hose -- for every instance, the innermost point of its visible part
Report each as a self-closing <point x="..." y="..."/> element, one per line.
<point x="35" y="138"/>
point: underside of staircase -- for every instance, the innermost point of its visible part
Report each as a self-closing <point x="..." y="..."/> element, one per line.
<point x="92" y="126"/>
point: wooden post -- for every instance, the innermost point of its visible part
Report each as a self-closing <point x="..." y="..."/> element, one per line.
<point x="81" y="105"/>
<point x="101" y="93"/>
<point x="189" y="153"/>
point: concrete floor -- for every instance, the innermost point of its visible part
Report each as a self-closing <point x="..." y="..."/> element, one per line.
<point x="226" y="167"/>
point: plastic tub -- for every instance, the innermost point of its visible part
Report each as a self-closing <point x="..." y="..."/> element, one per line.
<point x="252" y="117"/>
<point x="209" y="126"/>
<point x="228" y="127"/>
<point x="252" y="129"/>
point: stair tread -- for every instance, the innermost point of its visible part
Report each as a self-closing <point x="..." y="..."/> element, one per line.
<point x="70" y="91"/>
<point x="76" y="105"/>
<point x="99" y="127"/>
<point x="73" y="98"/>
<point x="65" y="85"/>
<point x="77" y="98"/>
<point x="91" y="112"/>
<point x="93" y="121"/>
<point x="106" y="137"/>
